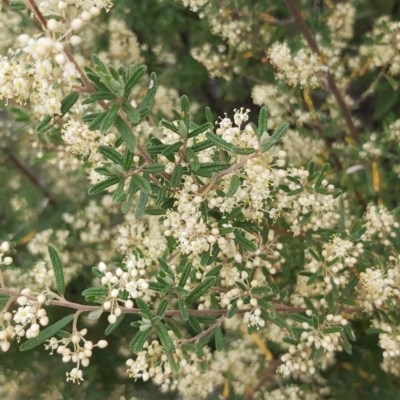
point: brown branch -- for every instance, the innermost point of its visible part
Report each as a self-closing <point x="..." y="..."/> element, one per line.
<point x="38" y="13"/>
<point x="25" y="171"/>
<point x="303" y="28"/>
<point x="170" y="313"/>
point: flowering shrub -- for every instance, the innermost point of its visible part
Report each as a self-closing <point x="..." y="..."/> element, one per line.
<point x="240" y="251"/>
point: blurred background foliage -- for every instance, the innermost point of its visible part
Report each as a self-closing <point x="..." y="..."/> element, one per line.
<point x="31" y="199"/>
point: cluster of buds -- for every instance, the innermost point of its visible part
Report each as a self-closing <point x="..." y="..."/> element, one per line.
<point x="80" y="353"/>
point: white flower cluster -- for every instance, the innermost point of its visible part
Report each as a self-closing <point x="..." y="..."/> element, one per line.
<point x="300" y="69"/>
<point x="79" y="139"/>
<point x="299" y="358"/>
<point x="233" y="31"/>
<point x="380" y="223"/>
<point x="376" y="286"/>
<point x="7" y="260"/>
<point x="28" y="319"/>
<point x="216" y="63"/>
<point x="307" y="210"/>
<point x="79" y="354"/>
<point x="341" y="22"/>
<point x="384" y="50"/>
<point x="123" y="44"/>
<point x="394" y="131"/>
<point x="123" y="280"/>
<point x="194" y="5"/>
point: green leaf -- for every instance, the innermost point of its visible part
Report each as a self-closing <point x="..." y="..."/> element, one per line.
<point x="111" y="328"/>
<point x="57" y="267"/>
<point x="99" y="187"/>
<point x="165" y="339"/>
<point x="209" y="116"/>
<point x="93" y="293"/>
<point x="144" y="308"/>
<point x="245" y="243"/>
<point x="205" y="144"/>
<point x="199" y="130"/>
<point x="219" y="339"/>
<point x="332" y="329"/>
<point x="47" y="333"/>
<point x="166" y="268"/>
<point x="68" y="102"/>
<point x="43" y="124"/>
<point x="176" y="176"/>
<point x="174" y="327"/>
<point x="262" y="122"/>
<point x="171" y="149"/>
<point x="133" y="79"/>
<point x="138" y="341"/>
<point x="185" y="275"/>
<point x="183" y="309"/>
<point x="194" y="323"/>
<point x="192" y="159"/>
<point x="154" y="168"/>
<point x="185" y="108"/>
<point x="141" y="206"/>
<point x="233" y="186"/>
<point x="162" y="307"/>
<point x="221" y="143"/>
<point x="126" y="133"/>
<point x="145" y="106"/>
<point x="96" y="314"/>
<point x="200" y="290"/>
<point x="142" y="183"/>
<point x="109" y="119"/>
<point x="232" y="309"/>
<point x="111" y="154"/>
<point x="97" y="121"/>
<point x="119" y="195"/>
<point x="275" y="137"/>
<point x="132" y="113"/>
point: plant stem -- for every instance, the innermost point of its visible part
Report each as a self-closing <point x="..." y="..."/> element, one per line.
<point x="303" y="28"/>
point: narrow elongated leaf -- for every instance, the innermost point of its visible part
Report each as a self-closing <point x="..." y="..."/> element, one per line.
<point x="134" y="78"/>
<point x="119" y="194"/>
<point x="154" y="168"/>
<point x="194" y="323"/>
<point x="141" y="206"/>
<point x="245" y="243"/>
<point x="332" y="329"/>
<point x="219" y="339"/>
<point x="183" y="309"/>
<point x="132" y="113"/>
<point x="47" y="333"/>
<point x="99" y="187"/>
<point x="109" y="119"/>
<point x="176" y="176"/>
<point x="126" y="133"/>
<point x="262" y="121"/>
<point x="162" y="307"/>
<point x="199" y="130"/>
<point x="96" y="314"/>
<point x="43" y="125"/>
<point x="221" y="143"/>
<point x="138" y="341"/>
<point x="111" y="154"/>
<point x="165" y="339"/>
<point x="209" y="116"/>
<point x="97" y="121"/>
<point x="276" y="136"/>
<point x="174" y="327"/>
<point x="171" y="149"/>
<point x="111" y="328"/>
<point x="233" y="186"/>
<point x="185" y="275"/>
<point x="185" y="108"/>
<point x="142" y="183"/>
<point x="144" y="308"/>
<point x="200" y="290"/>
<point x="145" y="106"/>
<point x="68" y="102"/>
<point x="57" y="267"/>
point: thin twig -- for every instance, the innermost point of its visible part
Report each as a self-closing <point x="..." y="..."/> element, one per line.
<point x="266" y="377"/>
<point x="37" y="12"/>
<point x="295" y="12"/>
<point x="25" y="171"/>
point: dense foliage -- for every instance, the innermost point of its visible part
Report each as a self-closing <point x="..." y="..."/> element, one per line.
<point x="199" y="198"/>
